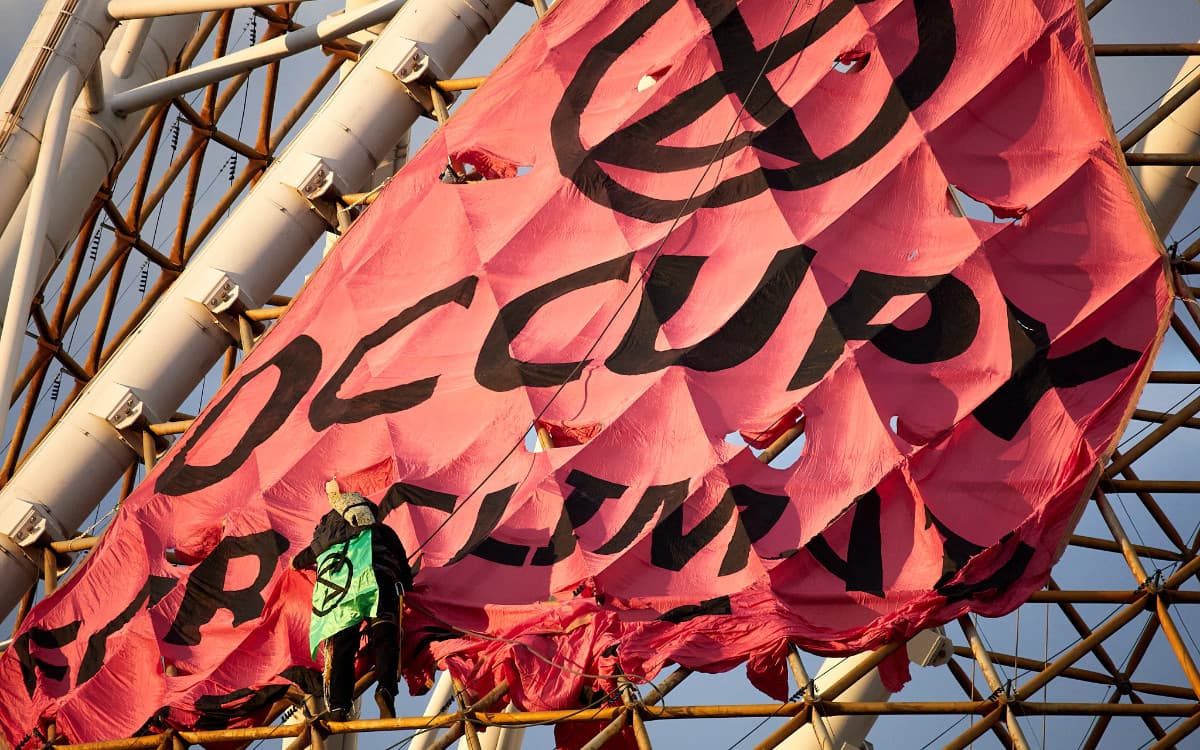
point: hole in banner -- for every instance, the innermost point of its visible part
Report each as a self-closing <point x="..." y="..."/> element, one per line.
<point x="533" y="443"/>
<point x="651" y="78"/>
<point x="478" y="165"/>
<point x="546" y="434"/>
<point x="788" y="457"/>
<point x="962" y="203"/>
<point x="735" y="439"/>
<point x="851" y="61"/>
<point x="786" y="435"/>
<point x="915" y="436"/>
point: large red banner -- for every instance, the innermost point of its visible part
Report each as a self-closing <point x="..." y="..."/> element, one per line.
<point x="699" y="219"/>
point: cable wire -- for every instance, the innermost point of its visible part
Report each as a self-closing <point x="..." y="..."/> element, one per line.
<point x="795" y="696"/>
<point x="1150" y="206"/>
<point x="718" y="153"/>
<point x="943" y="733"/>
<point x="1168" y="410"/>
<point x="1160" y="97"/>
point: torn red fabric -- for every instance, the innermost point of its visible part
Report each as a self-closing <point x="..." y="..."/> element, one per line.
<point x="565" y="434"/>
<point x="573" y="735"/>
<point x="768" y="672"/>
<point x="486" y="165"/>
<point x="793" y="417"/>
<point x="894" y="671"/>
<point x="961" y="381"/>
<point x="1001" y="211"/>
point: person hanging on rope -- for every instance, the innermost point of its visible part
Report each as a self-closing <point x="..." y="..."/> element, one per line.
<point x="362" y="574"/>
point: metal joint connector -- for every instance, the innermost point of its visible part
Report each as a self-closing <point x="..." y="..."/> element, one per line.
<point x="318" y="185"/>
<point x="131" y="417"/>
<point x="227" y="303"/>
<point x="26" y="525"/>
<point x="418" y="72"/>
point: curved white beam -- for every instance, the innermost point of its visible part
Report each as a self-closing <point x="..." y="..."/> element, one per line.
<point x="68" y="35"/>
<point x="443" y="691"/>
<point x="130" y="48"/>
<point x="927" y="648"/>
<point x="96" y="138"/>
<point x="1167" y="190"/>
<point x="257" y="56"/>
<point x="24" y="279"/>
<point x="124" y="10"/>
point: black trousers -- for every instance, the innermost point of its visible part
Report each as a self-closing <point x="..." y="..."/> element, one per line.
<point x="383" y="633"/>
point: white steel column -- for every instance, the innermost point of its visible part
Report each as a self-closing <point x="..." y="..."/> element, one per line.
<point x="257" y="56"/>
<point x="1166" y="190"/>
<point x="129" y="9"/>
<point x="68" y="35"/>
<point x="443" y="690"/>
<point x="16" y="567"/>
<point x="95" y="140"/>
<point x="330" y="742"/>
<point x="498" y="738"/>
<point x="927" y="648"/>
<point x="265" y="236"/>
<point x="24" y="280"/>
<point x="130" y="48"/>
<point x="840" y="732"/>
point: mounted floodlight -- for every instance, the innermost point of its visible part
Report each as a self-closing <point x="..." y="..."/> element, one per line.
<point x="930" y="648"/>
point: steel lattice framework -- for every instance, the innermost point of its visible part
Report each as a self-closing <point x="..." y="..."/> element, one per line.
<point x="1102" y="657"/>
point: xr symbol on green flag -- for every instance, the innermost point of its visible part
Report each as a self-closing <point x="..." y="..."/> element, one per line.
<point x="334" y="577"/>
<point x="346" y="592"/>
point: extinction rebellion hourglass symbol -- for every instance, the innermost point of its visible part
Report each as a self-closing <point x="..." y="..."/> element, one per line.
<point x="744" y="75"/>
<point x="333" y="582"/>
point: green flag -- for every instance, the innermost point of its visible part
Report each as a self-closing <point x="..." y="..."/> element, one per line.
<point x="346" y="592"/>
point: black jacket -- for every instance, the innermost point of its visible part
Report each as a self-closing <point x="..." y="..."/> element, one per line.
<point x="387" y="551"/>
